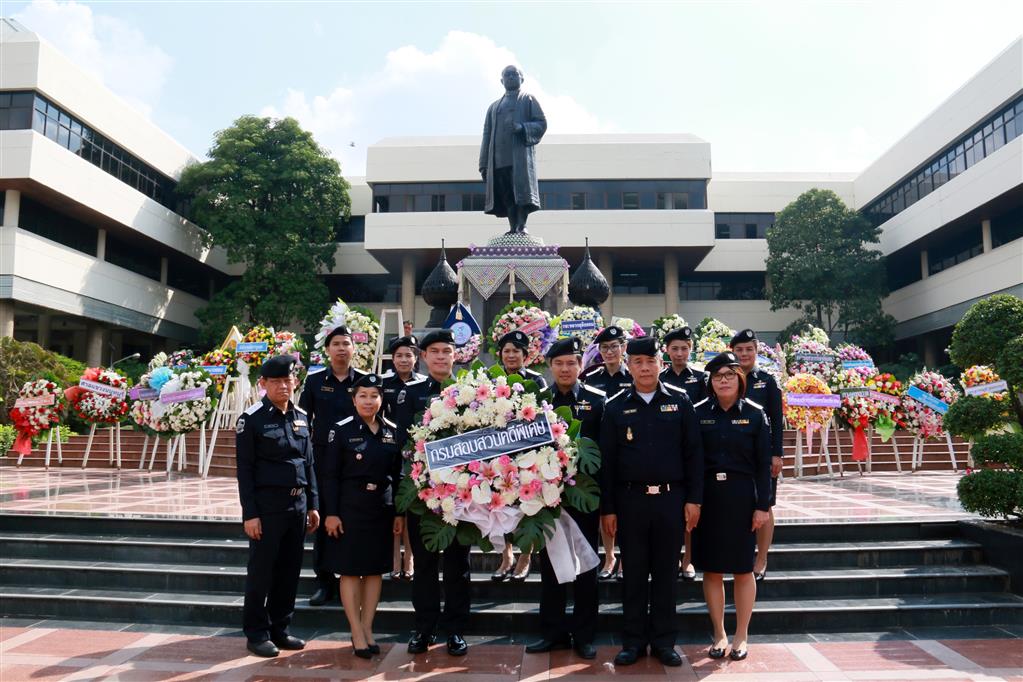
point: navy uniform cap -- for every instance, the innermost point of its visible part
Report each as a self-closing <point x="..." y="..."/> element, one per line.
<point x="570" y="346"/>
<point x="340" y="330"/>
<point x="278" y="366"/>
<point x="683" y="334"/>
<point x="401" y="342"/>
<point x="644" y="345"/>
<point x="516" y="338"/>
<point x="437" y="336"/>
<point x="744" y="336"/>
<point x="726" y="359"/>
<point x="611" y="333"/>
<point x="367" y="381"/>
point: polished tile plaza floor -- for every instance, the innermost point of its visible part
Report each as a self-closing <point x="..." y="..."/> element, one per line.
<point x="874" y="497"/>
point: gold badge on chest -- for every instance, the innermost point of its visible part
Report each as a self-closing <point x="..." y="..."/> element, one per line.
<point x="628" y="433"/>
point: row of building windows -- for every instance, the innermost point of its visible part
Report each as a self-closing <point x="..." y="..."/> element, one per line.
<point x="742" y="225"/>
<point x="555" y="195"/>
<point x="30" y="110"/>
<point x="996" y="131"/>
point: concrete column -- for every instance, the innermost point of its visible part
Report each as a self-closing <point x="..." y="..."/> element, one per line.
<point x="985" y="233"/>
<point x="94" y="345"/>
<point x="767" y="285"/>
<point x="925" y="270"/>
<point x="101" y="244"/>
<point x="43" y="333"/>
<point x="930" y="352"/>
<point x="6" y="317"/>
<point x="605" y="263"/>
<point x="163" y="270"/>
<point x="408" y="289"/>
<point x="117" y="343"/>
<point x="670" y="283"/>
<point x="12" y="208"/>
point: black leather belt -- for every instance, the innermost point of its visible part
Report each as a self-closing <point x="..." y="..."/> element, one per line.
<point x="650" y="488"/>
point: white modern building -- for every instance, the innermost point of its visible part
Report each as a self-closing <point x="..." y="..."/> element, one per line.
<point x="95" y="262"/>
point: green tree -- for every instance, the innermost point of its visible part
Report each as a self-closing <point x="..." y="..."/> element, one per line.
<point x="271" y="197"/>
<point x="820" y="262"/>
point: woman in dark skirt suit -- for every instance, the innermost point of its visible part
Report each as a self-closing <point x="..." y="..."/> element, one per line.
<point x="361" y="475"/>
<point x="736" y="497"/>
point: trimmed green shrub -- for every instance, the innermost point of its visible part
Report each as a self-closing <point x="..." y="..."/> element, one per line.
<point x="992" y="492"/>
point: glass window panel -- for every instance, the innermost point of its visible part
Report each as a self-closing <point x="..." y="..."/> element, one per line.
<point x="630" y="200"/>
<point x="681" y="200"/>
<point x="578" y="201"/>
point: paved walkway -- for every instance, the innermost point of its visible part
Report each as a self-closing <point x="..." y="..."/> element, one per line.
<point x="55" y="653"/>
<point x="874" y="497"/>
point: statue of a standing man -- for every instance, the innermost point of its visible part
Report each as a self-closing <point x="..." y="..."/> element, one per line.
<point x="514" y="125"/>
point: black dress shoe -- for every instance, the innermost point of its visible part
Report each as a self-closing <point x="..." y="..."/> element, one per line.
<point x="374" y="649"/>
<point x="585" y="650"/>
<point x="738" y="655"/>
<point x="545" y="645"/>
<point x="289" y="642"/>
<point x="457" y="646"/>
<point x="266" y="649"/>
<point x="667" y="656"/>
<point x="320" y="597"/>
<point x="607" y="575"/>
<point x="420" y="642"/>
<point x="715" y="652"/>
<point x="627" y="656"/>
<point x="366" y="653"/>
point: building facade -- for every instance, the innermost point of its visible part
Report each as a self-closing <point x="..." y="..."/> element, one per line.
<point x="95" y="262"/>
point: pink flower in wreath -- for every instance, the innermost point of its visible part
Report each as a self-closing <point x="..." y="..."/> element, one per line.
<point x="420" y="445"/>
<point x="503" y="391"/>
<point x="427" y="417"/>
<point x="475" y="466"/>
<point x="449" y="402"/>
<point x="526" y="492"/>
<point x="483" y="392"/>
<point x="529" y="413"/>
<point x="417" y="469"/>
<point x="465" y="495"/>
<point x="495" y="501"/>
<point x="557" y="430"/>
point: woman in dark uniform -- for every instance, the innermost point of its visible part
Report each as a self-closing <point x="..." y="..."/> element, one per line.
<point x="736" y="497"/>
<point x="361" y="475"/>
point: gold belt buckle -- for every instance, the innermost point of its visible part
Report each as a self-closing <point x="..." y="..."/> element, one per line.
<point x="371" y="486"/>
<point x="653" y="490"/>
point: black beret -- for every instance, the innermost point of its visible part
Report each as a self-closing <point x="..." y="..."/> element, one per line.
<point x="569" y="346"/>
<point x="340" y="330"/>
<point x="725" y="359"/>
<point x="401" y="342"/>
<point x="610" y="333"/>
<point x="437" y="336"/>
<point x="744" y="336"/>
<point x="367" y="381"/>
<point x="278" y="366"/>
<point x="683" y="334"/>
<point x="516" y="338"/>
<point x="643" y="345"/>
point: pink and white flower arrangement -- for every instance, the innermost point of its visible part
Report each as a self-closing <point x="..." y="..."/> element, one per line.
<point x="924" y="421"/>
<point x="468" y="351"/>
<point x="536" y="324"/>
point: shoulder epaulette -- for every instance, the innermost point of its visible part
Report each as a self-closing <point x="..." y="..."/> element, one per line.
<point x="388" y="422"/>
<point x="594" y="389"/>
<point x="299" y="409"/>
<point x="754" y="404"/>
<point x="388" y="374"/>
<point x="673" y="387"/>
<point x="701" y="402"/>
<point x="594" y="371"/>
<point x="316" y="371"/>
<point x="253" y="409"/>
<point x="617" y="394"/>
<point x="359" y="371"/>
<point x="345" y="421"/>
<point x="415" y="381"/>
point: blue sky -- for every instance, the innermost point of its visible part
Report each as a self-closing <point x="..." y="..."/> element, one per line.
<point x="780" y="86"/>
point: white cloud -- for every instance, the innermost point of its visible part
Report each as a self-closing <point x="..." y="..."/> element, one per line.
<point x="422" y="93"/>
<point x="112" y="50"/>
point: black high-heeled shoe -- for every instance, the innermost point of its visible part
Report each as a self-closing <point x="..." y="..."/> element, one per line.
<point x="738" y="655"/>
<point x="608" y="574"/>
<point x="521" y="577"/>
<point x="501" y="576"/>
<point x="759" y="577"/>
<point x="715" y="652"/>
<point x="374" y="649"/>
<point x="366" y="653"/>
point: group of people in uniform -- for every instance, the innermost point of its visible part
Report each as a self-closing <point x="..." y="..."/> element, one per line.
<point x="687" y="482"/>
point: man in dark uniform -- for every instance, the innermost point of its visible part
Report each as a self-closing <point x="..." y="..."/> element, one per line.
<point x="277" y="489"/>
<point x="326" y="399"/>
<point x="559" y="632"/>
<point x="679" y="345"/>
<point x="438" y="352"/>
<point x="613" y="376"/>
<point x="511" y="353"/>
<point x="404" y="355"/>
<point x="762" y="389"/>
<point x="651" y="479"/>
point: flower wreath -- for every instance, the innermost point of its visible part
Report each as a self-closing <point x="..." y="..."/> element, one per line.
<point x="363" y="325"/>
<point x="44" y="403"/>
<point x="528" y="317"/>
<point x="662" y="326"/>
<point x="926" y="422"/>
<point x="581" y="313"/>
<point x="98" y="408"/>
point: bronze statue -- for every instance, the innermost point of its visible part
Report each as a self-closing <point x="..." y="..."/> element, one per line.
<point x="514" y="125"/>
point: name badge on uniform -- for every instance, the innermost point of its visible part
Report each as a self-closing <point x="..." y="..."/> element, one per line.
<point x="583" y="406"/>
<point x="708" y="421"/>
<point x="671" y="407"/>
<point x="401" y="396"/>
<point x="388" y="437"/>
<point x="721" y="476"/>
<point x="628" y="433"/>
<point x="357" y="439"/>
<point x="760" y="384"/>
<point x="327" y="389"/>
<point x="299" y="422"/>
<point x="691" y="380"/>
<point x="630" y="411"/>
<point x="740" y="421"/>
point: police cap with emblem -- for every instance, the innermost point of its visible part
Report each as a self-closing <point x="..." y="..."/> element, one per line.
<point x="437" y="336"/>
<point x="570" y="346"/>
<point x="515" y="338"/>
<point x="725" y="359"/>
<point x="611" y="333"/>
<point x="340" y="330"/>
<point x="683" y="334"/>
<point x="401" y="342"/>
<point x="278" y="366"/>
<point x="644" y="345"/>
<point x="744" y="336"/>
<point x="367" y="381"/>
